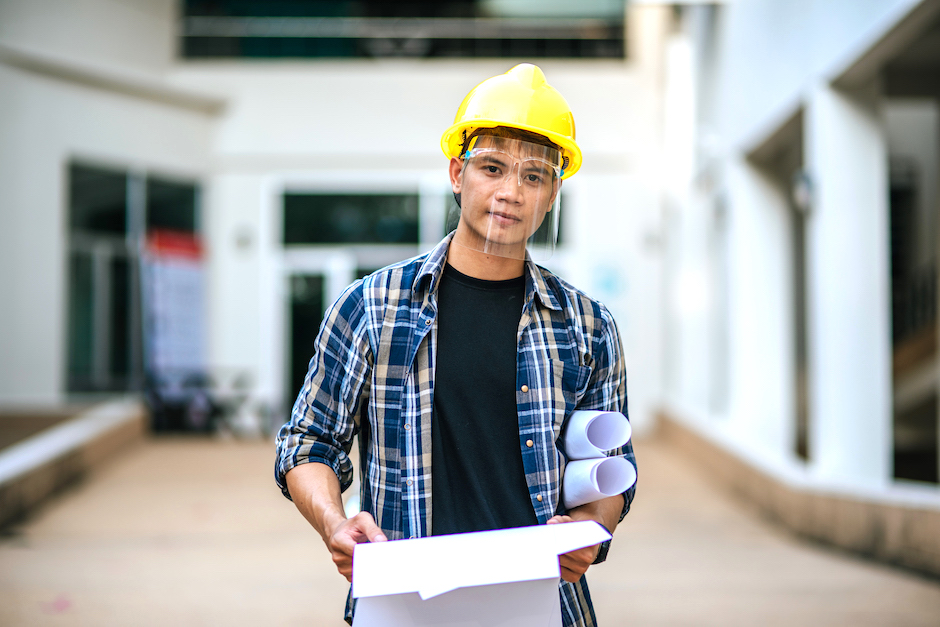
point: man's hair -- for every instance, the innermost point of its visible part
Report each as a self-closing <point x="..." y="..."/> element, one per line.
<point x="508" y="132"/>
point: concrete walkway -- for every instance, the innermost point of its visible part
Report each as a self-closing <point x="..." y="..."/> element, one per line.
<point x="194" y="532"/>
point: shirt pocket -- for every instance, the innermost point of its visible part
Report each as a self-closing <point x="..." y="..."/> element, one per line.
<point x="569" y="383"/>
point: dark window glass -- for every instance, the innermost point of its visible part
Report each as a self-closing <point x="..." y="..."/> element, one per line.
<point x="120" y="320"/>
<point x="378" y="28"/>
<point x="364" y="272"/>
<point x="915" y="442"/>
<point x="350" y="219"/>
<point x="81" y="319"/>
<point x="306" y="314"/>
<point x="97" y="200"/>
<point x="171" y="205"/>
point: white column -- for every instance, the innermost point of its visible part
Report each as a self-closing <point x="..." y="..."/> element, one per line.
<point x="848" y="288"/>
<point x="760" y="308"/>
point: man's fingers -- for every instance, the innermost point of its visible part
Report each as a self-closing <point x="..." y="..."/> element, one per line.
<point x="343" y="542"/>
<point x="575" y="564"/>
<point x="372" y="531"/>
<point x="366" y="527"/>
<point x="359" y="528"/>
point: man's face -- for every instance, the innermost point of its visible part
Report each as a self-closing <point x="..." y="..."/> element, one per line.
<point x="506" y="188"/>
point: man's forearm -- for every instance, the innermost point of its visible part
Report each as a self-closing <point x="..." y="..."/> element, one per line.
<point x="315" y="491"/>
<point x="605" y="511"/>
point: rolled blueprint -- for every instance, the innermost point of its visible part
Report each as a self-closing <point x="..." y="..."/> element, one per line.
<point x="588" y="480"/>
<point x="592" y="433"/>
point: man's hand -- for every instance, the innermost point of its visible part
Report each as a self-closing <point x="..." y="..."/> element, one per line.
<point x="607" y="513"/>
<point x="315" y="491"/>
<point x="574" y="564"/>
<point x="345" y="537"/>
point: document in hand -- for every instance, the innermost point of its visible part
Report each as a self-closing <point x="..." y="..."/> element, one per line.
<point x="507" y="577"/>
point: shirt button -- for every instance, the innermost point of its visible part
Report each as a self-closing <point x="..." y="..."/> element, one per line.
<point x="529" y="443"/>
<point x="539" y="498"/>
<point x="428" y="322"/>
<point x="524" y="388"/>
<point x="409" y="482"/>
<point x="407" y="426"/>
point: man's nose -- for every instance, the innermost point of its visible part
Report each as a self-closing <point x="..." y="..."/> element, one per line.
<point x="510" y="186"/>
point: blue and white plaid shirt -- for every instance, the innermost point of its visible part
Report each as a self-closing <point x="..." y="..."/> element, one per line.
<point x="373" y="375"/>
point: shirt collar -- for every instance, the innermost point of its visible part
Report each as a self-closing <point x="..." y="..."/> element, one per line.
<point x="433" y="267"/>
<point x="536" y="285"/>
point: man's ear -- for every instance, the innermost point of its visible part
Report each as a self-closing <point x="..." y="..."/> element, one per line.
<point x="455" y="168"/>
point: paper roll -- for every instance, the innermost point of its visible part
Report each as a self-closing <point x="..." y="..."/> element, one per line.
<point x="589" y="480"/>
<point x="591" y="434"/>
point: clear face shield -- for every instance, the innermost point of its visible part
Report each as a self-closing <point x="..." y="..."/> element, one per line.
<point x="508" y="195"/>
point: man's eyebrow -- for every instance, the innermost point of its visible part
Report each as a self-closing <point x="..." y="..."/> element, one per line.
<point x="492" y="158"/>
<point x="538" y="166"/>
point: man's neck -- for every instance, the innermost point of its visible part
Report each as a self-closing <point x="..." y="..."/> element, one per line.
<point x="480" y="265"/>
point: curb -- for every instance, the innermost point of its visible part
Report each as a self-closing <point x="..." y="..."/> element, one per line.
<point x="33" y="470"/>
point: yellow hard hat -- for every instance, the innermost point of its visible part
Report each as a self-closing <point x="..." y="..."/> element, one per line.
<point x="520" y="98"/>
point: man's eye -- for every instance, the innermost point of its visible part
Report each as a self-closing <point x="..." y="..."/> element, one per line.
<point x="492" y="169"/>
<point x="534" y="178"/>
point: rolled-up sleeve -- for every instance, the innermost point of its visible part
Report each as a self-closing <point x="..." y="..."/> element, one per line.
<point x="607" y="389"/>
<point x="325" y="417"/>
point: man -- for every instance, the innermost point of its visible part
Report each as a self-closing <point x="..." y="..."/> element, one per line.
<point x="458" y="369"/>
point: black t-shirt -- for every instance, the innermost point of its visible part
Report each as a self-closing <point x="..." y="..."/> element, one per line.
<point x="478" y="481"/>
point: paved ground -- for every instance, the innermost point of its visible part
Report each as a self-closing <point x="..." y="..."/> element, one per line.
<point x="193" y="532"/>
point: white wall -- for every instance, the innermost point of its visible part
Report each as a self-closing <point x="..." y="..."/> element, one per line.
<point x="46" y="120"/>
<point x="770" y="53"/>
<point x="764" y="61"/>
<point x="133" y="35"/>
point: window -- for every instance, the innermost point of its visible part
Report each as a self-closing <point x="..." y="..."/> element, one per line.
<point x="376" y="28"/>
<point x="100" y="345"/>
<point x="171" y="206"/>
<point x="350" y="218"/>
<point x="110" y="210"/>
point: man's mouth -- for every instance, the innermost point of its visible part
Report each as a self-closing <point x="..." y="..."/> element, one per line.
<point x="504" y="218"/>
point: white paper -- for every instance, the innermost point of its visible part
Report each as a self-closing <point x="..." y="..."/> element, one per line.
<point x="435" y="565"/>
<point x="532" y="603"/>
<point x="591" y="434"/>
<point x="589" y="480"/>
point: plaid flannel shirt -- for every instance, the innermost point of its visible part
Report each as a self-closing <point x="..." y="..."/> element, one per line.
<point x="372" y="374"/>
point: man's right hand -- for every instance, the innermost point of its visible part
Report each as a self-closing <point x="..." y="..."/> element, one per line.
<point x="315" y="491"/>
<point x="349" y="533"/>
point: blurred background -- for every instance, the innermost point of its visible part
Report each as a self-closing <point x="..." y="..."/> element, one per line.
<point x="185" y="186"/>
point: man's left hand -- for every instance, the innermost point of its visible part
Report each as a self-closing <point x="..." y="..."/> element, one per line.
<point x="574" y="564"/>
<point x="607" y="513"/>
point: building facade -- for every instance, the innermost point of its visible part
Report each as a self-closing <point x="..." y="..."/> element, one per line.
<point x="801" y="221"/>
<point x="297" y="159"/>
